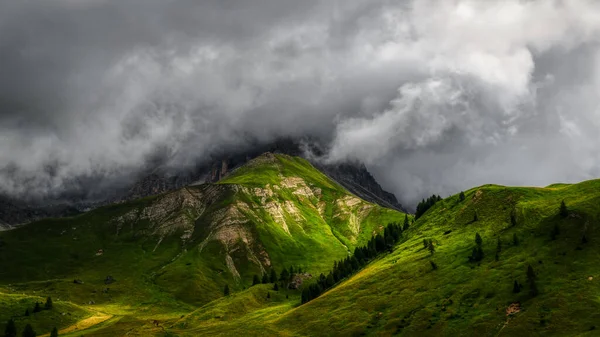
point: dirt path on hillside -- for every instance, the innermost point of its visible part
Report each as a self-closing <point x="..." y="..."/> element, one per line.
<point x="87" y="323"/>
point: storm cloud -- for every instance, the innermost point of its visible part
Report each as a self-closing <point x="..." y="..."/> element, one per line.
<point x="434" y="96"/>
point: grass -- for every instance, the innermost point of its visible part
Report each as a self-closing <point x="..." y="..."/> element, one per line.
<point x="264" y="208"/>
<point x="159" y="275"/>
<point x="400" y="294"/>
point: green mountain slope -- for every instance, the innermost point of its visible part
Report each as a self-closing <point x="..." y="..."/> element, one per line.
<point x="401" y="294"/>
<point x="171" y="253"/>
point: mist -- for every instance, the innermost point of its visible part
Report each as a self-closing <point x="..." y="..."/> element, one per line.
<point x="433" y="96"/>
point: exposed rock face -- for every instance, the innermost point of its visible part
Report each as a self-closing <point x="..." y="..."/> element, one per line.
<point x="353" y="177"/>
<point x="356" y="179"/>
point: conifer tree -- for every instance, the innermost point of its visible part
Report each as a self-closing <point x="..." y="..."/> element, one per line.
<point x="275" y="287"/>
<point x="11" y="329"/>
<point x="269" y="294"/>
<point x="285" y="275"/>
<point x="226" y="290"/>
<point x="27" y="312"/>
<point x="516" y="287"/>
<point x="273" y="277"/>
<point x="425" y="243"/>
<point x="265" y="278"/>
<point x="433" y="265"/>
<point x="54" y="332"/>
<point x="563" y="211"/>
<point x="405" y="221"/>
<point x="515" y="239"/>
<point x="431" y="247"/>
<point x="475" y="217"/>
<point x="533" y="291"/>
<point x="255" y="280"/>
<point x="28" y="331"/>
<point x="37" y="307"/>
<point x="48" y="304"/>
<point x="513" y="218"/>
<point x="461" y="196"/>
<point x="478" y="239"/>
<point x="584" y="239"/>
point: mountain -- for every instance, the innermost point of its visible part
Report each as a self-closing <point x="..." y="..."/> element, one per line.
<point x="492" y="261"/>
<point x="165" y="255"/>
<point x="401" y="294"/>
<point x="156" y="179"/>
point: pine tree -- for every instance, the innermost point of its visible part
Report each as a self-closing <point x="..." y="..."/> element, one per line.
<point x="516" y="287"/>
<point x="285" y="276"/>
<point x="269" y="294"/>
<point x="11" y="329"/>
<point x="329" y="280"/>
<point x="461" y="196"/>
<point x="406" y="222"/>
<point x="255" y="280"/>
<point x="28" y="331"/>
<point x="27" y="312"/>
<point x="265" y="279"/>
<point x="515" y="239"/>
<point x="563" y="211"/>
<point x="275" y="287"/>
<point x="226" y="290"/>
<point x="37" y="307"/>
<point x="431" y="247"/>
<point x="305" y="295"/>
<point x="48" y="304"/>
<point x="475" y="217"/>
<point x="273" y="277"/>
<point x="478" y="239"/>
<point x="533" y="291"/>
<point x="499" y="245"/>
<point x="513" y="218"/>
<point x="54" y="332"/>
<point x="433" y="265"/>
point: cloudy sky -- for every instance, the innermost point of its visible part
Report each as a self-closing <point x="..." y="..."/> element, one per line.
<point x="434" y="96"/>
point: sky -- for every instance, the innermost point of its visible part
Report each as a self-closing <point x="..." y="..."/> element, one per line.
<point x="433" y="96"/>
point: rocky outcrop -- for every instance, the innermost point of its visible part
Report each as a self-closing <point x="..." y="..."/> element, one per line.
<point x="354" y="177"/>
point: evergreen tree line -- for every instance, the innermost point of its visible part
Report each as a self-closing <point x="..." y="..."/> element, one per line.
<point x="425" y="205"/>
<point x="11" y="330"/>
<point x="362" y="255"/>
<point x="285" y="276"/>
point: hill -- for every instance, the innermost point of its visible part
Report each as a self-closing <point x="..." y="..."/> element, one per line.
<point x="401" y="294"/>
<point x="161" y="257"/>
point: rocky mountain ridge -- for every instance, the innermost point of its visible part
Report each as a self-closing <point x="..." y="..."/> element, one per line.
<point x="353" y="176"/>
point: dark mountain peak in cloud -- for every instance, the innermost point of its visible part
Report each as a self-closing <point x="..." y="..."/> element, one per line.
<point x="433" y="96"/>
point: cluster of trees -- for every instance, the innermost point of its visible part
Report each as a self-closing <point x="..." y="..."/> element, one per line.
<point x="425" y="205"/>
<point x="348" y="266"/>
<point x="285" y="276"/>
<point x="533" y="290"/>
<point x="11" y="330"/>
<point x="37" y="308"/>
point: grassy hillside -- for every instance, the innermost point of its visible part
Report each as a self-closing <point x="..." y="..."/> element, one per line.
<point x="173" y="253"/>
<point x="401" y="294"/>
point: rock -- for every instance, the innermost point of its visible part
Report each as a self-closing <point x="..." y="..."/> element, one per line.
<point x="513" y="308"/>
<point x="76" y="281"/>
<point x="298" y="279"/>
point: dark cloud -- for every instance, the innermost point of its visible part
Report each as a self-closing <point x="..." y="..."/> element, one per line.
<point x="435" y="96"/>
